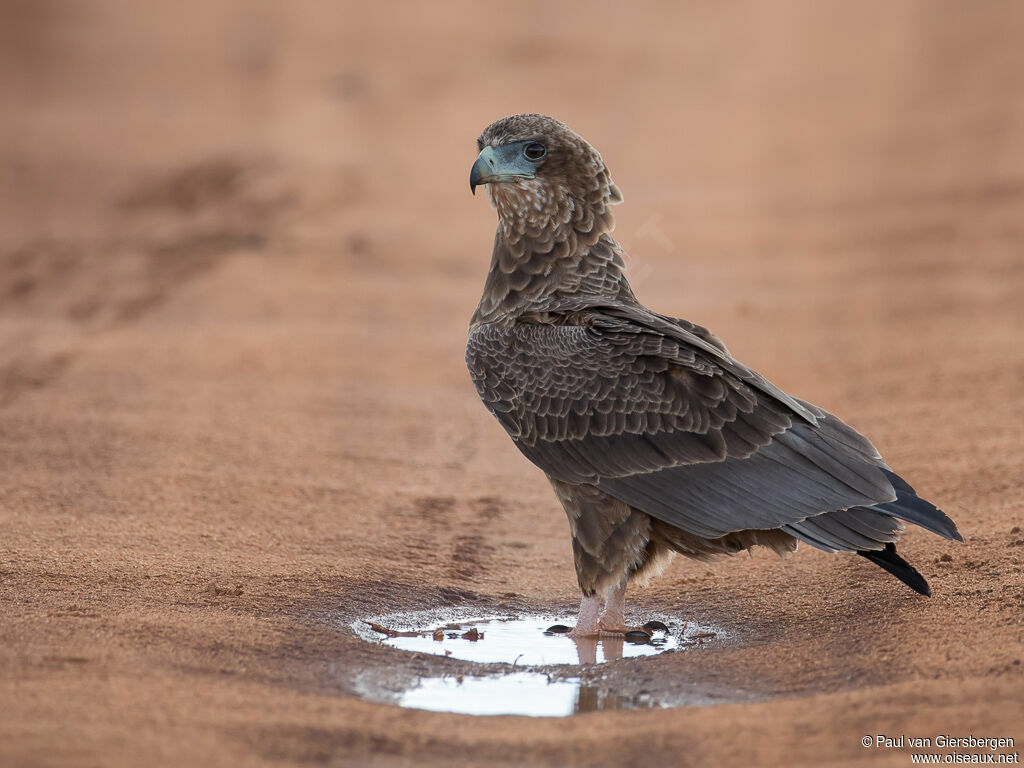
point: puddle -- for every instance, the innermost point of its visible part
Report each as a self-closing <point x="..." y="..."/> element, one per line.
<point x="523" y="643"/>
<point x="521" y="693"/>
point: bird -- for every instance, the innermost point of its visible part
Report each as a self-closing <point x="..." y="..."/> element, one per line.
<point x="655" y="439"/>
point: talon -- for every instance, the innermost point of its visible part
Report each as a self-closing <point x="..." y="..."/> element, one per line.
<point x="612" y="628"/>
<point x="557" y="629"/>
<point x="656" y="626"/>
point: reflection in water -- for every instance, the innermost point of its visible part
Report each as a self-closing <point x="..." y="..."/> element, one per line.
<point x="611" y="649"/>
<point x="590" y="698"/>
<point x="523" y="642"/>
<point x="521" y="693"/>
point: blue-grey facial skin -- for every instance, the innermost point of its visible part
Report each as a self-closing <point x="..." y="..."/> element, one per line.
<point x="505" y="163"/>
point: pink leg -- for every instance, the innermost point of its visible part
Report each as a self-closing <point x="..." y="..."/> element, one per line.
<point x="588" y="621"/>
<point x="614" y="617"/>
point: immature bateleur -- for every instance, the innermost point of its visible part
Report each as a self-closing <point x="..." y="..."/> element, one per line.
<point x="655" y="439"/>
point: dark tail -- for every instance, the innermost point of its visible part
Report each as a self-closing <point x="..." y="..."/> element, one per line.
<point x="898" y="567"/>
<point x="910" y="507"/>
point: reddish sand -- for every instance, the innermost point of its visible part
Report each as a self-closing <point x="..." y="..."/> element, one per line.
<point x="237" y="259"/>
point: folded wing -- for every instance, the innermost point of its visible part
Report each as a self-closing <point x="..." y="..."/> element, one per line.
<point x="657" y="415"/>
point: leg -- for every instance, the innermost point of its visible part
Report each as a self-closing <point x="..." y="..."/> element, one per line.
<point x="588" y="621"/>
<point x="613" y="620"/>
<point x="609" y="538"/>
<point x="611" y="545"/>
<point x="614" y="617"/>
<point x="595" y="622"/>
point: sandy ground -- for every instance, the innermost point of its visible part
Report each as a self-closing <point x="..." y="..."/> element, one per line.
<point x="237" y="259"/>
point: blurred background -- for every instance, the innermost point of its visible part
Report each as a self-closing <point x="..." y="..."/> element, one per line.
<point x="847" y="176"/>
<point x="757" y="145"/>
<point x="238" y="255"/>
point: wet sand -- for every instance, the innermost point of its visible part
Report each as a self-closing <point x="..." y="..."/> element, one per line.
<point x="237" y="260"/>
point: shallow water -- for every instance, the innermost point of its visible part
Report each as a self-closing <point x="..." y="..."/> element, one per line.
<point x="520" y="693"/>
<point x="523" y="642"/>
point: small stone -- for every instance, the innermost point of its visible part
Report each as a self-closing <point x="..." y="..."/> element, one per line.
<point x="214" y="590"/>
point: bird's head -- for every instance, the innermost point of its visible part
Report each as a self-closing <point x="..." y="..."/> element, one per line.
<point x="542" y="176"/>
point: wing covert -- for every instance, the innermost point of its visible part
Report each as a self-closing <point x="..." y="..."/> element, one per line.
<point x="675" y="428"/>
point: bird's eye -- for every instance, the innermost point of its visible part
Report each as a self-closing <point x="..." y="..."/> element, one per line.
<point x="535" y="151"/>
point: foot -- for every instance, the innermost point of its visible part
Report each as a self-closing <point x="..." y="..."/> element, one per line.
<point x="613" y="619"/>
<point x="588" y="623"/>
<point x="610" y="628"/>
<point x="607" y="618"/>
<point x="615" y="625"/>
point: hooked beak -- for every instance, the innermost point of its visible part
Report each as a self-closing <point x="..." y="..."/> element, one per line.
<point x="499" y="164"/>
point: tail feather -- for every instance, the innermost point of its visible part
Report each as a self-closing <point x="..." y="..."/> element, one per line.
<point x="912" y="508"/>
<point x="888" y="559"/>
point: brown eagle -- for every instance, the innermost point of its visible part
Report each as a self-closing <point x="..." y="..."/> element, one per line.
<point x="655" y="439"/>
